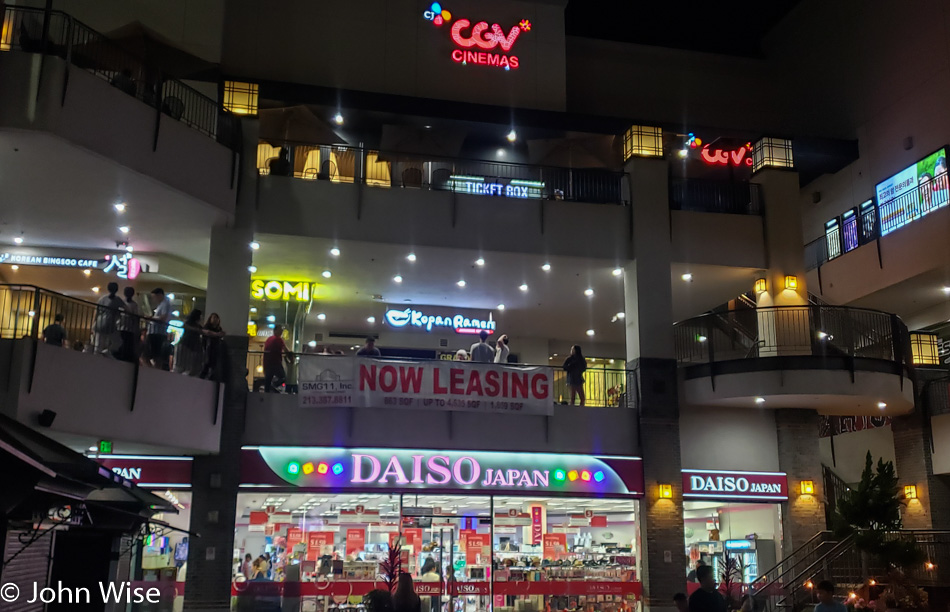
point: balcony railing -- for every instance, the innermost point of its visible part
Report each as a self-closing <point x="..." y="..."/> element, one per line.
<point x="388" y="169"/>
<point x="603" y="386"/>
<point x="81" y="46"/>
<point x="715" y="196"/>
<point x="826" y="331"/>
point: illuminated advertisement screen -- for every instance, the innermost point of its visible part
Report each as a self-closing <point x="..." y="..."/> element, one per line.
<point x="913" y="192"/>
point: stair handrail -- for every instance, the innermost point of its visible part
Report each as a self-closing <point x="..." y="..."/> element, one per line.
<point x="836" y="551"/>
<point x="805" y="549"/>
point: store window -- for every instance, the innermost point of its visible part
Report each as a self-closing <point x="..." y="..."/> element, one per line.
<point x="642" y="141"/>
<point x="240" y="98"/>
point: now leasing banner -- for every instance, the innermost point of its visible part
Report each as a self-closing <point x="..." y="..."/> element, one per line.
<point x="329" y="381"/>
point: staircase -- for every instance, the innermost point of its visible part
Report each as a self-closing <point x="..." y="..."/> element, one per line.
<point x="789" y="586"/>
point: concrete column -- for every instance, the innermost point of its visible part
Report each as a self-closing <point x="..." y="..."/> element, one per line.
<point x="786" y="331"/>
<point x="649" y="326"/>
<point x="914" y="465"/>
<point x="802" y="515"/>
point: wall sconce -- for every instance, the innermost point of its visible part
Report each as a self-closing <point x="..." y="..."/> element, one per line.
<point x="791" y="282"/>
<point x="665" y="491"/>
<point x="808" y="487"/>
<point x="760" y="286"/>
<point x="910" y="491"/>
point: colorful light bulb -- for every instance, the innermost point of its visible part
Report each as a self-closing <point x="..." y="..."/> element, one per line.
<point x="308" y="468"/>
<point x="337" y="468"/>
<point x="599" y="476"/>
<point x="322" y="468"/>
<point x="585" y="476"/>
<point x="559" y="475"/>
<point x="293" y="468"/>
<point x="572" y="475"/>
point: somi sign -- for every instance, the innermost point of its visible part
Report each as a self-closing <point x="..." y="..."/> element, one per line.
<point x="280" y="290"/>
<point x="329" y="381"/>
<point x="405" y="469"/>
<point x="477" y="42"/>
<point x="747" y="486"/>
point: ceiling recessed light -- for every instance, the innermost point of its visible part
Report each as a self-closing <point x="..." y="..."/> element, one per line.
<point x="129" y="249"/>
<point x="546" y="267"/>
<point x="14" y="267"/>
<point x="479" y="262"/>
<point x="87" y="272"/>
<point x="321" y="316"/>
<point x="523" y="287"/>
<point x="683" y="152"/>
<point x="411" y="256"/>
<point x="338" y="119"/>
<point x="370" y="319"/>
<point x="253" y="308"/>
<point x="397" y="279"/>
<point x="687" y="277"/>
<point x="946" y="289"/>
<point x="881" y="405"/>
<point x="124" y="229"/>
<point x="326" y="274"/>
<point x="621" y="315"/>
<point x="760" y="400"/>
<point x="120" y="207"/>
<point x="500" y="152"/>
<point x="501" y="307"/>
<point x="255" y="245"/>
<point x="590" y="332"/>
<point x="512" y="136"/>
<point x="271" y="318"/>
<point x="252" y="269"/>
<point x="335" y="252"/>
<point x="589" y="292"/>
<point x="617" y="271"/>
<point x="95" y="289"/>
<point x="461" y="283"/>
<point x="18" y="240"/>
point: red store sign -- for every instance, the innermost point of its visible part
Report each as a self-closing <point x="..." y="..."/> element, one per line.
<point x="742" y="486"/>
<point x="151" y="472"/>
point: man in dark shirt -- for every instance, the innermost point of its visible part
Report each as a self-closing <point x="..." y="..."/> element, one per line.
<point x="274" y="349"/>
<point x="370" y="349"/>
<point x="55" y="333"/>
<point x="706" y="598"/>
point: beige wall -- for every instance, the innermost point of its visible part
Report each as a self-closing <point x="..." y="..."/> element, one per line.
<point x="729" y="439"/>
<point x="852" y="448"/>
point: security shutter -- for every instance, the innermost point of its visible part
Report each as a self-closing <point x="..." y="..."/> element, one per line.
<point x="29" y="567"/>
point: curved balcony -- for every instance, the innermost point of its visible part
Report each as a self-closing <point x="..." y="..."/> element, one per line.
<point x="832" y="359"/>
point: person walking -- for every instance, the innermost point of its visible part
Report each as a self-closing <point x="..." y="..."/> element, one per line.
<point x="274" y="351"/>
<point x="706" y="598"/>
<point x="188" y="360"/>
<point x="501" y="349"/>
<point x="158" y="326"/>
<point x="430" y="573"/>
<point x="129" y="326"/>
<point x="481" y="351"/>
<point x="826" y="598"/>
<point x="55" y="333"/>
<point x="213" y="345"/>
<point x="405" y="598"/>
<point x="369" y="350"/>
<point x="105" y="336"/>
<point x="575" y="366"/>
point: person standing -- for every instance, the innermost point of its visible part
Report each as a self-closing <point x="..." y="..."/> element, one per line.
<point x="274" y="351"/>
<point x="430" y="573"/>
<point x="55" y="333"/>
<point x="575" y="366"/>
<point x="501" y="349"/>
<point x="158" y="326"/>
<point x="246" y="566"/>
<point x="214" y="345"/>
<point x="105" y="331"/>
<point x="706" y="598"/>
<point x="129" y="326"/>
<point x="189" y="347"/>
<point x="369" y="350"/>
<point x="481" y="351"/>
<point x="405" y="598"/>
<point x="826" y="598"/>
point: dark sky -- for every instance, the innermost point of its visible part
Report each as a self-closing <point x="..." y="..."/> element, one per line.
<point x="734" y="27"/>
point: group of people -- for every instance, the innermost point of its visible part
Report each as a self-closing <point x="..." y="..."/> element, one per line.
<point x="707" y="598"/>
<point x="258" y="569"/>
<point x="483" y="352"/>
<point x="403" y="599"/>
<point x="117" y="332"/>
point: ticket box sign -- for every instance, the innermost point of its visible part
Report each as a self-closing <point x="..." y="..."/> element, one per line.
<point x="742" y="486"/>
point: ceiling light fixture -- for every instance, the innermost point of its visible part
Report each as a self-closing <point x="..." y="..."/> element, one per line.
<point x="322" y="317"/>
<point x="523" y="286"/>
<point x="590" y="332"/>
<point x="881" y="405"/>
<point x="683" y="153"/>
<point x="124" y="229"/>
<point x="546" y="267"/>
<point x="687" y="277"/>
<point x="501" y="307"/>
<point x="255" y="245"/>
<point x="621" y="315"/>
<point x="512" y="135"/>
<point x="397" y="279"/>
<point x="95" y="289"/>
<point x="760" y="400"/>
<point x="326" y="274"/>
<point x="252" y="269"/>
<point x="589" y="292"/>
<point x="617" y="271"/>
<point x="461" y="283"/>
<point x="479" y="262"/>
<point x="500" y="152"/>
<point x="946" y="289"/>
<point x="338" y="119"/>
<point x="87" y="272"/>
<point x="14" y="267"/>
<point x="18" y="240"/>
<point x="129" y="249"/>
<point x="335" y="252"/>
<point x="411" y="256"/>
<point x="370" y="319"/>
<point x="120" y="207"/>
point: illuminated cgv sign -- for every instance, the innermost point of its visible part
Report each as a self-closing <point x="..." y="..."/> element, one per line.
<point x="749" y="486"/>
<point x="479" y="43"/>
<point x="400" y="469"/>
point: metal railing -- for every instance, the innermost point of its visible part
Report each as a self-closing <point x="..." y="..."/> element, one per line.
<point x="835" y="489"/>
<point x="83" y="47"/>
<point x="604" y="386"/>
<point x="698" y="195"/>
<point x="388" y="169"/>
<point x="792" y="330"/>
<point x="772" y="583"/>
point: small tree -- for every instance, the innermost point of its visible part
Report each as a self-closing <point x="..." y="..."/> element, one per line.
<point x="873" y="509"/>
<point x="391" y="566"/>
<point x="730" y="580"/>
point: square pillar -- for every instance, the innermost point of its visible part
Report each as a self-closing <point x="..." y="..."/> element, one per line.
<point x="914" y="466"/>
<point x="803" y="515"/>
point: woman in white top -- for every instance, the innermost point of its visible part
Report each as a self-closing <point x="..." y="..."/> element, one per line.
<point x="501" y="349"/>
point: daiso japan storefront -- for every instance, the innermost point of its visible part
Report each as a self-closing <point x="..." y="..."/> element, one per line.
<point x="477" y="530"/>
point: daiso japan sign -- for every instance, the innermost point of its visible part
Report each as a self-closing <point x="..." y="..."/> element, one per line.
<point x="478" y="42"/>
<point x="747" y="486"/>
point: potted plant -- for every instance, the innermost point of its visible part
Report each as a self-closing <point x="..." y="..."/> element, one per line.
<point x="391" y="566"/>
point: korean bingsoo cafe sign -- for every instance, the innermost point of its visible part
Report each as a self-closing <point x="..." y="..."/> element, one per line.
<point x="407" y="470"/>
<point x="328" y="381"/>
